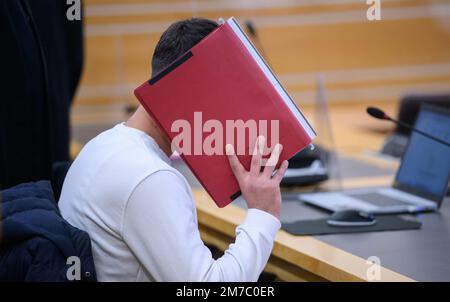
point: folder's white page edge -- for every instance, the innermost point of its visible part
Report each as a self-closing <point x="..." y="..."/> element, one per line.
<point x="269" y="74"/>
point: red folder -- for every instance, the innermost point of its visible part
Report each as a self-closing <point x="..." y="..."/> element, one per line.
<point x="223" y="79"/>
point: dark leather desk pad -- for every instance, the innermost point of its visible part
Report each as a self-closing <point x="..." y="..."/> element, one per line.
<point x="321" y="227"/>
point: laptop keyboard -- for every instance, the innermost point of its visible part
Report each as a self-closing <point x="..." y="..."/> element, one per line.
<point x="377" y="199"/>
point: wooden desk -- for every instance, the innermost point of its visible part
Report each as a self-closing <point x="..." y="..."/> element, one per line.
<point x="294" y="258"/>
<point x="406" y="255"/>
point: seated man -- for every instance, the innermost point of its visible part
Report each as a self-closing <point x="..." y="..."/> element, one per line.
<point x="139" y="210"/>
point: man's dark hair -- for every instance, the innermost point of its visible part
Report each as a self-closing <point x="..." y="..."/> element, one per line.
<point x="179" y="38"/>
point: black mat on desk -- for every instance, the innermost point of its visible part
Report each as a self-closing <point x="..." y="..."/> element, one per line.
<point x="320" y="226"/>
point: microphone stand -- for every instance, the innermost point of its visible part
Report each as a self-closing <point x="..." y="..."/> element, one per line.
<point x="402" y="124"/>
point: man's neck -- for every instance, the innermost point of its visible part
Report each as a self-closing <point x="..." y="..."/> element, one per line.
<point x="142" y="121"/>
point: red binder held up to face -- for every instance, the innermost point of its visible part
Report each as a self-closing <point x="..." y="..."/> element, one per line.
<point x="221" y="91"/>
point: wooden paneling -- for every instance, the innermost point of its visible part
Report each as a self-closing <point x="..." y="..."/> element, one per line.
<point x="411" y="34"/>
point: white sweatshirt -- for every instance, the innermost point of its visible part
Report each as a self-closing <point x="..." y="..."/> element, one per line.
<point x="140" y="215"/>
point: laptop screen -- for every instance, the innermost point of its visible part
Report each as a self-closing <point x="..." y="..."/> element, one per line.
<point x="425" y="166"/>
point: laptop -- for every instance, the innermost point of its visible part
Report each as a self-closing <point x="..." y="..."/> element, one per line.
<point x="421" y="182"/>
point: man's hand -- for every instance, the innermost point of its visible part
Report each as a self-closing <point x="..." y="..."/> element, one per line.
<point x="261" y="189"/>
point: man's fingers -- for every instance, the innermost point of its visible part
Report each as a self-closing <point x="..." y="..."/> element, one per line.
<point x="235" y="164"/>
<point x="273" y="160"/>
<point x="255" y="167"/>
<point x="280" y="173"/>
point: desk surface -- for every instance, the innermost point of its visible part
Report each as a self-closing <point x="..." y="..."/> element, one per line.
<point x="420" y="255"/>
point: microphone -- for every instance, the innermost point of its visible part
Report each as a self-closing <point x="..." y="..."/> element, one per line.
<point x="377" y="113"/>
<point x="381" y="115"/>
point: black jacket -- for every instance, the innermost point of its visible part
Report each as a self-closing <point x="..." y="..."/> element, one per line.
<point x="41" y="60"/>
<point x="36" y="242"/>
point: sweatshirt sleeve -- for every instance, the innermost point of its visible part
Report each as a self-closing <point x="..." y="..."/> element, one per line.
<point x="160" y="227"/>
